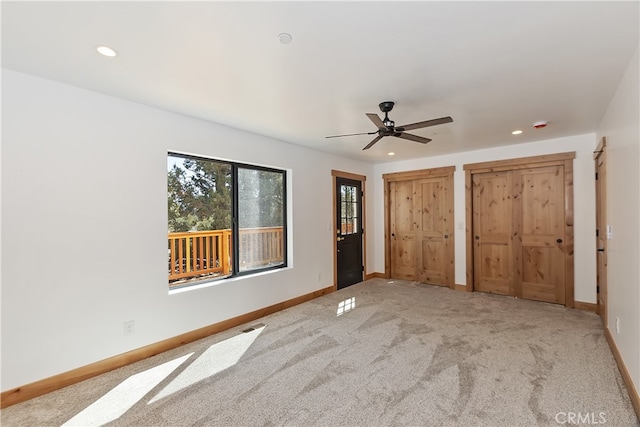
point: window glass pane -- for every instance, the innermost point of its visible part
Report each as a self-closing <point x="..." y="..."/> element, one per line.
<point x="260" y="218"/>
<point x="199" y="194"/>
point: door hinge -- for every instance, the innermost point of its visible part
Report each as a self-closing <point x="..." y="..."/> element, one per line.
<point x="363" y="268"/>
<point x="598" y="289"/>
<point x="596" y="176"/>
<point x="362" y="194"/>
<point x="597" y="232"/>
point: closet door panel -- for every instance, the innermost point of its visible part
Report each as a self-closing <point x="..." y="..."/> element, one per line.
<point x="403" y="239"/>
<point x="492" y="225"/>
<point x="432" y="230"/>
<point x="541" y="225"/>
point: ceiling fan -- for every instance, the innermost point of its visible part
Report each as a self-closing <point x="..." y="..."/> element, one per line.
<point x="387" y="127"/>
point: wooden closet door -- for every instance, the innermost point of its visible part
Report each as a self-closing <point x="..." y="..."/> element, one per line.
<point x="520" y="241"/>
<point x="420" y="226"/>
<point x="601" y="230"/>
<point x="519" y="233"/>
<point x="492" y="233"/>
<point x="403" y="241"/>
<point x="432" y="229"/>
<point x="540" y="221"/>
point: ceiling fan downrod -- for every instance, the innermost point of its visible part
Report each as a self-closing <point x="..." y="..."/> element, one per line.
<point x="385" y="107"/>
<point x="390" y="124"/>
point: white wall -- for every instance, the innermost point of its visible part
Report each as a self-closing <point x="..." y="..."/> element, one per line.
<point x="621" y="127"/>
<point x="584" y="201"/>
<point x="84" y="222"/>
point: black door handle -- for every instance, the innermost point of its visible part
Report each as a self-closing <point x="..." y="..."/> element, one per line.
<point x="477" y="237"/>
<point x="559" y="241"/>
<point x="446" y="236"/>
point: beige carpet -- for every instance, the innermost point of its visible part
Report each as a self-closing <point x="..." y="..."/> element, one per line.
<point x="378" y="353"/>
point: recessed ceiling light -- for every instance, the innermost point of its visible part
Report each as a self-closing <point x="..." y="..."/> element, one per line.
<point x="516" y="132"/>
<point x="106" y="51"/>
<point x="391" y="153"/>
<point x="285" y="38"/>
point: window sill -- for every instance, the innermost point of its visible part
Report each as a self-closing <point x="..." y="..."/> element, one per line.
<point x="215" y="282"/>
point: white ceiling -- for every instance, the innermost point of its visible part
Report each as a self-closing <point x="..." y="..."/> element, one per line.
<point x="492" y="66"/>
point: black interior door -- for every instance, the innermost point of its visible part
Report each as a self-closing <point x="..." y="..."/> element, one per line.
<point x="349" y="232"/>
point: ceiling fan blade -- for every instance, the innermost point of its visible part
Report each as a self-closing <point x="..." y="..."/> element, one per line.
<point x="415" y="138"/>
<point x="351" y="134"/>
<point x="369" y="145"/>
<point x="427" y="123"/>
<point x="376" y="120"/>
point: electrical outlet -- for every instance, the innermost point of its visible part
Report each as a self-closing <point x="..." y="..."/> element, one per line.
<point x="129" y="327"/>
<point x="617" y="325"/>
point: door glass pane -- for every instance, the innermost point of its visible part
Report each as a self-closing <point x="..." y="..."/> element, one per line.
<point x="348" y="209"/>
<point x="260" y="218"/>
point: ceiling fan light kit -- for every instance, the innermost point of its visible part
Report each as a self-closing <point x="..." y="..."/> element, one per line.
<point x="387" y="127"/>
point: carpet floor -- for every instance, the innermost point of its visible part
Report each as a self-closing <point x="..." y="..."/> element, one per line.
<point x="379" y="353"/>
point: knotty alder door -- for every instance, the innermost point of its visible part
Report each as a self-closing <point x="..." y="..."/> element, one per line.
<point x="492" y="230"/>
<point x="519" y="233"/>
<point x="601" y="229"/>
<point x="403" y="238"/>
<point x="420" y="229"/>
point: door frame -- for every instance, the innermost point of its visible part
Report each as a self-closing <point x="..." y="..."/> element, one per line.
<point x="563" y="159"/>
<point x="600" y="155"/>
<point x="362" y="179"/>
<point x="446" y="172"/>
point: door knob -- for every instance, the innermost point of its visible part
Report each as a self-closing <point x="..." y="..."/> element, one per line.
<point x="446" y="236"/>
<point x="477" y="237"/>
<point x="559" y="241"/>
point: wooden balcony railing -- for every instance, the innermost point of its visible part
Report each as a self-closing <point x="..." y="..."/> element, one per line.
<point x="196" y="253"/>
<point x="260" y="247"/>
<point x="200" y="253"/>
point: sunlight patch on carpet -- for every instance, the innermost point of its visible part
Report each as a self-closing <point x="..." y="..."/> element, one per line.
<point x="216" y="358"/>
<point x="121" y="398"/>
<point x="346" y="305"/>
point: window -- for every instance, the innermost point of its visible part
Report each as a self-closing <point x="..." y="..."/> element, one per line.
<point x="224" y="219"/>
